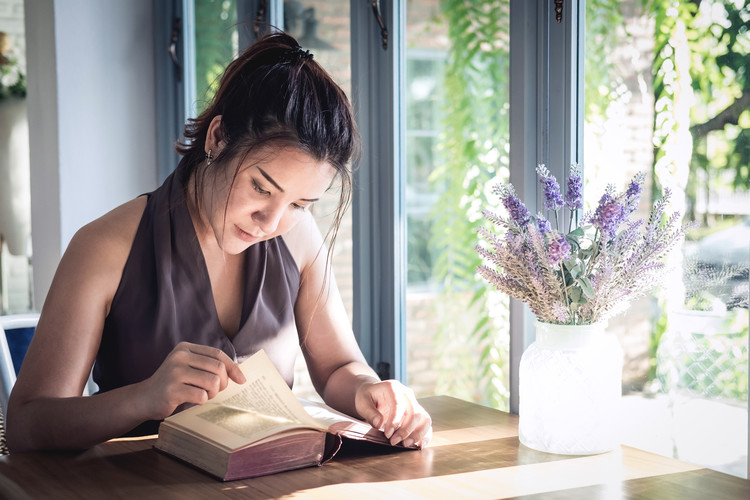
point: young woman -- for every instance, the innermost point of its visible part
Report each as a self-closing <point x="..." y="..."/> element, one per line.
<point x="163" y="295"/>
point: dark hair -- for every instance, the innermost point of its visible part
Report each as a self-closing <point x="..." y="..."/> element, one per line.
<point x="275" y="94"/>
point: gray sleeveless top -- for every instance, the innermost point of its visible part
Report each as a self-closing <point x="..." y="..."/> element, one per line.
<point x="165" y="297"/>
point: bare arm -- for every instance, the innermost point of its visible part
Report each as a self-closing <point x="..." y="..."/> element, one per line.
<point x="336" y="364"/>
<point x="46" y="409"/>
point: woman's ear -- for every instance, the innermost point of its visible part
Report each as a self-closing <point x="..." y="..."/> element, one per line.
<point x="214" y="137"/>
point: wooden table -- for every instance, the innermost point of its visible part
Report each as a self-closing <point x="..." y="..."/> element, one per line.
<point x="475" y="453"/>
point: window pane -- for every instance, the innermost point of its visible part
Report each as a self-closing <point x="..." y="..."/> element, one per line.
<point x="457" y="147"/>
<point x="663" y="96"/>
<point x="216" y="45"/>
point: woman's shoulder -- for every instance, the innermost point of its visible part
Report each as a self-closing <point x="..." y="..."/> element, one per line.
<point x="96" y="255"/>
<point x="305" y="242"/>
<point x="103" y="245"/>
<point x="115" y="230"/>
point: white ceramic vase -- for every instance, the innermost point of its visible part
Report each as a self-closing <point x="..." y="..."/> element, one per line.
<point x="570" y="390"/>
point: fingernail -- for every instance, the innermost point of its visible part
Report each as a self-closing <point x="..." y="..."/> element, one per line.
<point x="409" y="443"/>
<point x="389" y="432"/>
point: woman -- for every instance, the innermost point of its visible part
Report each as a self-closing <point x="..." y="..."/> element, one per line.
<point x="166" y="292"/>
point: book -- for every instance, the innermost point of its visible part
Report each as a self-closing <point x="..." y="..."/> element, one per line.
<point x="259" y="428"/>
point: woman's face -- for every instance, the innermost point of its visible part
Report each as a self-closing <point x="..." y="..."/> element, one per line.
<point x="270" y="195"/>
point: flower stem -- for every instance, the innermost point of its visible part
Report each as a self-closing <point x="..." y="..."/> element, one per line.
<point x="565" y="287"/>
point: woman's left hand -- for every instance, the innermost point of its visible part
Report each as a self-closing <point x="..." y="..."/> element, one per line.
<point x="392" y="408"/>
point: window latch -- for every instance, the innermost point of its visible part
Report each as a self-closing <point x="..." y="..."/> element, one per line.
<point x="558" y="10"/>
<point x="383" y="370"/>
<point x="172" y="48"/>
<point x="378" y="18"/>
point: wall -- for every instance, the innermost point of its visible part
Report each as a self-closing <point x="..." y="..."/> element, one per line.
<point x="92" y="122"/>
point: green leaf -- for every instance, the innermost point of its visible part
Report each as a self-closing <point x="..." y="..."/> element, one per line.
<point x="586" y="287"/>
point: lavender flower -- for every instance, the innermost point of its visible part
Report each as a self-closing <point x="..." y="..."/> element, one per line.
<point x="633" y="194"/>
<point x="517" y="210"/>
<point x="558" y="249"/>
<point x="552" y="198"/>
<point x="608" y="215"/>
<point x="609" y="259"/>
<point x="574" y="195"/>
<point x="543" y="224"/>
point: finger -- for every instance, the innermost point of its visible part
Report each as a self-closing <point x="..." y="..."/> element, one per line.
<point x="212" y="366"/>
<point x="192" y="395"/>
<point x="397" y="407"/>
<point x="371" y="414"/>
<point x="231" y="368"/>
<point x="209" y="382"/>
<point x="405" y="424"/>
<point x="422" y="434"/>
<point x="425" y="441"/>
<point x="235" y="373"/>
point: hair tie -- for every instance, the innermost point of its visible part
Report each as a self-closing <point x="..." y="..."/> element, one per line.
<point x="296" y="54"/>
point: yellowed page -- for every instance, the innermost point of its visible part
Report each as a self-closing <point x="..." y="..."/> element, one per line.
<point x="328" y="417"/>
<point x="243" y="414"/>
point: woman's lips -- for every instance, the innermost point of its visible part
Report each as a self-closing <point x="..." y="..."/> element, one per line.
<point x="245" y="236"/>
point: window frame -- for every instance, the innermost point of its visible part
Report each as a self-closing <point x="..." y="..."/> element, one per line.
<point x="378" y="208"/>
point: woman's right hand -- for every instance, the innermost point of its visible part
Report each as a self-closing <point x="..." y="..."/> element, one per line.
<point x="190" y="374"/>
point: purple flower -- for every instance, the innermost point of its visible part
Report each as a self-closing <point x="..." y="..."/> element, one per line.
<point x="552" y="197"/>
<point x="558" y="249"/>
<point x="608" y="215"/>
<point x="633" y="194"/>
<point x="574" y="195"/>
<point x="517" y="210"/>
<point x="543" y="224"/>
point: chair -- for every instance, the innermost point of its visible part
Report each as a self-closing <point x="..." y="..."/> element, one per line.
<point x="7" y="366"/>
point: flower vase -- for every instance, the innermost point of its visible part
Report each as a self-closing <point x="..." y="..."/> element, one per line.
<point x="570" y="390"/>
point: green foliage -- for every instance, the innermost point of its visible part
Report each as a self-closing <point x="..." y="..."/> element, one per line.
<point x="717" y="36"/>
<point x="215" y="44"/>
<point x="604" y="24"/>
<point x="475" y="145"/>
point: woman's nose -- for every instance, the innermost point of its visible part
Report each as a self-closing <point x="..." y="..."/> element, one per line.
<point x="268" y="220"/>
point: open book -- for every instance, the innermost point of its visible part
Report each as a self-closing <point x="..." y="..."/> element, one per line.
<point x="259" y="428"/>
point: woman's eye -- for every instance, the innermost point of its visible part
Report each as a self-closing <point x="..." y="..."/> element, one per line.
<point x="259" y="189"/>
<point x="299" y="207"/>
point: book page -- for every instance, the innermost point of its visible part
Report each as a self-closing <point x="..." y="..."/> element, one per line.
<point x="327" y="416"/>
<point x="342" y="424"/>
<point x="264" y="392"/>
<point x="242" y="414"/>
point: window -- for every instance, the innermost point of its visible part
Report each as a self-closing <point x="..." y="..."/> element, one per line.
<point x="665" y="85"/>
<point x="552" y="109"/>
<point x="456" y="147"/>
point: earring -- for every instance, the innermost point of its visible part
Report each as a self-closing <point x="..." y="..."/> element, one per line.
<point x="209" y="157"/>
